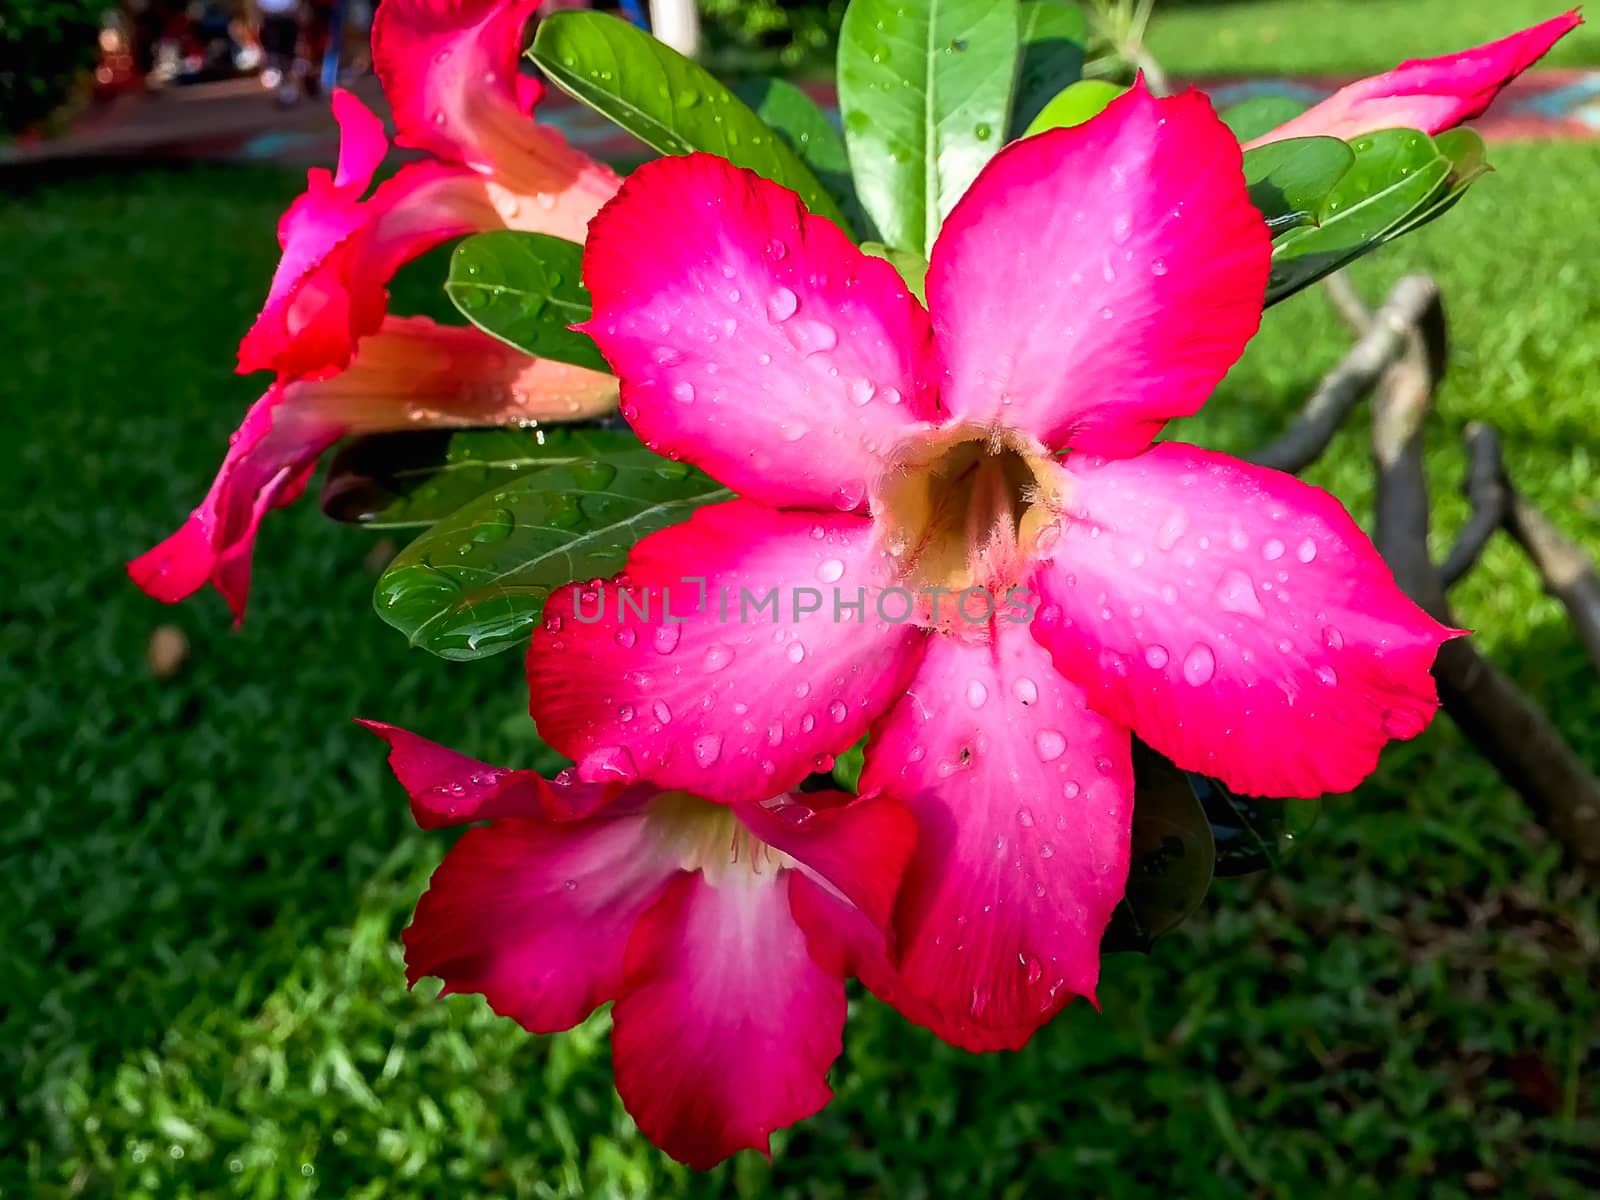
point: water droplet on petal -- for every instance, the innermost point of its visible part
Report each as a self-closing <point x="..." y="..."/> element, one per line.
<point x="1272" y="549"/>
<point x="1332" y="638"/>
<point x="1156" y="656"/>
<point x="1024" y="818"/>
<point x="707" y="749"/>
<point x="665" y="639"/>
<point x="1025" y="690"/>
<point x="662" y="712"/>
<point x="1327" y="676"/>
<point x="626" y="637"/>
<point x="1199" y="665"/>
<point x="838" y="711"/>
<point x="976" y="694"/>
<point x="717" y="657"/>
<point x="1049" y="744"/>
<point x="1306" y="551"/>
<point x="830" y="570"/>
<point x="781" y="305"/>
<point x="795" y="652"/>
<point x="683" y="392"/>
<point x="1237" y="594"/>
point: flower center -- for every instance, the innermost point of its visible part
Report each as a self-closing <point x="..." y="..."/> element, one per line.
<point x="965" y="510"/>
<point x="706" y="836"/>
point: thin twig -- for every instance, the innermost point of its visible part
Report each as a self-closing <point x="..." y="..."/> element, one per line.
<point x="1485" y="489"/>
<point x="1347" y="302"/>
<point x="1382" y="342"/>
<point x="1495" y="715"/>
<point x="1567" y="573"/>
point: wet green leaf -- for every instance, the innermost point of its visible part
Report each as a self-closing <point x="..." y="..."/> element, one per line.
<point x="475" y="584"/>
<point x="925" y="92"/>
<point x="1054" y="35"/>
<point x="1260" y="115"/>
<point x="410" y="480"/>
<point x="670" y="103"/>
<point x="1291" y="181"/>
<point x="525" y="289"/>
<point x="913" y="268"/>
<point x="1397" y="175"/>
<point x="806" y="129"/>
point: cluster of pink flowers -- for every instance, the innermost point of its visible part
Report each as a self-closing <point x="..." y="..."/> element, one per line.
<point x="1093" y="284"/>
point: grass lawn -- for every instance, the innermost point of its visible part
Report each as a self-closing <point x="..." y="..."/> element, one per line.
<point x="204" y="877"/>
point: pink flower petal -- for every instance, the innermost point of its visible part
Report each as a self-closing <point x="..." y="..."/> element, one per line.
<point x="1430" y="94"/>
<point x="725" y="1028"/>
<point x="730" y="700"/>
<point x="411" y="375"/>
<point x="268" y="462"/>
<point x="1097" y="281"/>
<point x="448" y="788"/>
<point x="450" y="73"/>
<point x="1236" y="619"/>
<point x="1023" y="799"/>
<point x="752" y="338"/>
<point x="339" y="253"/>
<point x="536" y="915"/>
<point x="859" y="848"/>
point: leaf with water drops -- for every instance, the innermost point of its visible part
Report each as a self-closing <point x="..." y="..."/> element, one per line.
<point x="475" y="584"/>
<point x="1054" y="35"/>
<point x="1397" y="176"/>
<point x="410" y="480"/>
<point x="1468" y="163"/>
<point x="1074" y="105"/>
<point x="806" y="129"/>
<point x="1172" y="855"/>
<point x="673" y="105"/>
<point x="1290" y="182"/>
<point x="925" y="92"/>
<point x="525" y="289"/>
<point x="1260" y="115"/>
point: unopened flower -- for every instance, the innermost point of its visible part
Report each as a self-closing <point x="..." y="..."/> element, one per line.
<point x="1094" y="283"/>
<point x="1430" y="94"/>
<point x="722" y="932"/>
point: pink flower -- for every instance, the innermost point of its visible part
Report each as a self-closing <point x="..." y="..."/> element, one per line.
<point x="1093" y="283"/>
<point x="722" y="932"/>
<point x="411" y="374"/>
<point x="449" y="71"/>
<point x="1430" y="94"/>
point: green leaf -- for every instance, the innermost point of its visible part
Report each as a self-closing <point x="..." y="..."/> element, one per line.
<point x="848" y="766"/>
<point x="1172" y="855"/>
<point x="1395" y="176"/>
<point x="1290" y="181"/>
<point x="1250" y="119"/>
<point x="1074" y="105"/>
<point x="913" y="268"/>
<point x="475" y="584"/>
<point x="1468" y="163"/>
<point x="1250" y="835"/>
<point x="1054" y="36"/>
<point x="806" y="129"/>
<point x="925" y="90"/>
<point x="525" y="289"/>
<point x="410" y="480"/>
<point x="673" y="105"/>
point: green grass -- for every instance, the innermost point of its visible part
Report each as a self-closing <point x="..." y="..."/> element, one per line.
<point x="1357" y="37"/>
<point x="204" y="877"/>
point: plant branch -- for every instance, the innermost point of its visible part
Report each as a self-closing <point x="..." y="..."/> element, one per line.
<point x="1485" y="489"/>
<point x="1382" y="342"/>
<point x="1495" y="715"/>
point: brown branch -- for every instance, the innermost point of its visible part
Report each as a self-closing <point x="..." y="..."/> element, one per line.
<point x="1347" y="302"/>
<point x="1497" y="718"/>
<point x="1383" y="340"/>
<point x="1567" y="573"/>
<point x="1485" y="489"/>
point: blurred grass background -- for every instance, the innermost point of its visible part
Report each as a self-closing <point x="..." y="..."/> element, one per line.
<point x="203" y="877"/>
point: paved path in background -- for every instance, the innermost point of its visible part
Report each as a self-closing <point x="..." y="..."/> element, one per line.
<point x="236" y="120"/>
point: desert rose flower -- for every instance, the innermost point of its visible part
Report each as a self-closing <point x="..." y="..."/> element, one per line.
<point x="411" y="374"/>
<point x="722" y="932"/>
<point x="1430" y="94"/>
<point x="449" y="72"/>
<point x="1092" y="284"/>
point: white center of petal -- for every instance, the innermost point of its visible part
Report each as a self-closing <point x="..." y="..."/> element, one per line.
<point x="706" y="837"/>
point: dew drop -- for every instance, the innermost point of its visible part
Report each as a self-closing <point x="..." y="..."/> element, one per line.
<point x="1306" y="551"/>
<point x="838" y="711"/>
<point x="1024" y="818"/>
<point x="1272" y="549"/>
<point x="976" y="694"/>
<point x="662" y="712"/>
<point x="1025" y="690"/>
<point x="1049" y="744"/>
<point x="716" y="657"/>
<point x="1156" y="657"/>
<point x="666" y="637"/>
<point x="1327" y="676"/>
<point x="626" y="637"/>
<point x="1332" y="638"/>
<point x="781" y="305"/>
<point x="796" y="652"/>
<point x="683" y="392"/>
<point x="1237" y="594"/>
<point x="830" y="570"/>
<point x="1199" y="665"/>
<point x="862" y="390"/>
<point x="707" y="749"/>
